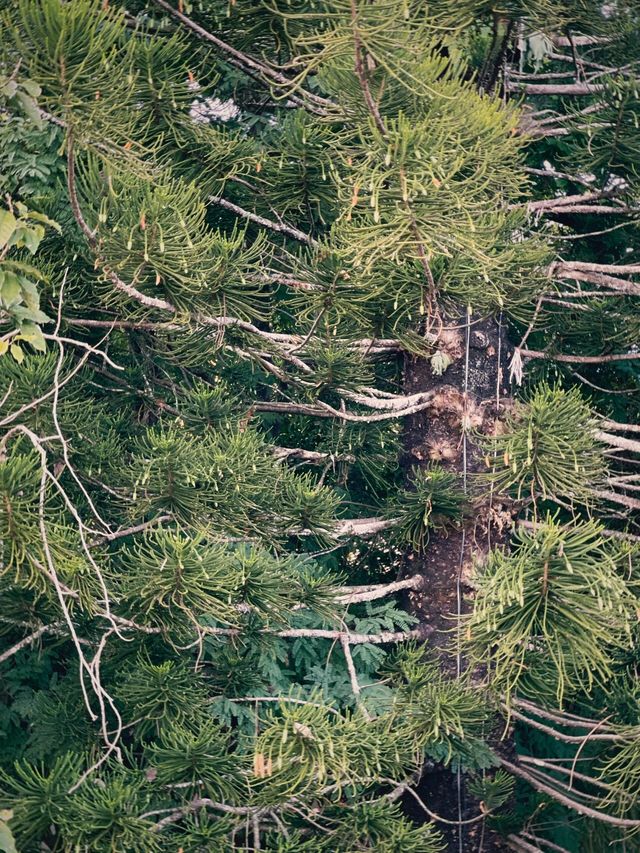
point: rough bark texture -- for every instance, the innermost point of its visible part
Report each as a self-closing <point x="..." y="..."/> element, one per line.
<point x="472" y="391"/>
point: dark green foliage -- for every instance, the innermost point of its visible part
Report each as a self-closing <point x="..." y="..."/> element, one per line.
<point x="202" y="758"/>
<point x="38" y="795"/>
<point x="434" y="501"/>
<point x="549" y="448"/>
<point x="550" y="614"/>
<point x="226" y="247"/>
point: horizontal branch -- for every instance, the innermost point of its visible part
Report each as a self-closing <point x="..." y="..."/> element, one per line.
<point x="618" y="441"/>
<point x="351" y="637"/>
<point x="130" y="531"/>
<point x="611" y="282"/>
<point x="369" y="346"/>
<point x="600" y="209"/>
<point x="364" y="526"/>
<point x="618" y="427"/>
<point x="313" y="457"/>
<point x="564" y="176"/>
<point x="581" y="359"/>
<point x="579" y="41"/>
<point x="560" y="89"/>
<point x="377" y="591"/>
<point x="195" y="805"/>
<point x="609" y="737"/>
<point x="412" y="404"/>
<point x="567" y="200"/>
<point x="610" y="534"/>
<point x="616" y="498"/>
<point x="623" y="269"/>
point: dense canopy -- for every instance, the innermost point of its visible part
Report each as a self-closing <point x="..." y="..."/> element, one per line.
<point x="319" y="415"/>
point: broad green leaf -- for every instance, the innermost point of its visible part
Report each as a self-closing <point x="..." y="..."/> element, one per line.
<point x="9" y="88"/>
<point x="22" y="313"/>
<point x="30" y="294"/>
<point x="28" y="236"/>
<point x="17" y="353"/>
<point x="31" y="109"/>
<point x="26" y="269"/>
<point x="31" y="88"/>
<point x="45" y="220"/>
<point x="7" y="842"/>
<point x="8" y="225"/>
<point x="33" y="335"/>
<point x="11" y="290"/>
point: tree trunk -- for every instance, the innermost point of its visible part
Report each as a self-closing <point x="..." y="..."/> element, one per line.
<point x="472" y="391"/>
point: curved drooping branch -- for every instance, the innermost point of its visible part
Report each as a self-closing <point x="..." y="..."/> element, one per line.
<point x="254" y="68"/>
<point x="574" y="805"/>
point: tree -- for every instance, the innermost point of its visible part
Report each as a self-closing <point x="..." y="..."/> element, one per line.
<point x="318" y="472"/>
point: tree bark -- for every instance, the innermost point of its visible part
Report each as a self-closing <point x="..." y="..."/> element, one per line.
<point x="470" y="395"/>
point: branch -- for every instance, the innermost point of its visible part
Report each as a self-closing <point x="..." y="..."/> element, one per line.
<point x="129" y="531"/>
<point x="353" y="676"/>
<point x="581" y="359"/>
<point x="517" y="843"/>
<point x="279" y="227"/>
<point x="618" y="441"/>
<point x="611" y="738"/>
<point x="564" y="718"/>
<point x="567" y="200"/>
<point x="567" y="801"/>
<point x="567" y="771"/>
<point x="294" y="633"/>
<point x="55" y="628"/>
<point x="614" y="425"/>
<point x="601" y="209"/>
<point x="256" y="69"/>
<point x="196" y="804"/>
<point x="552" y="173"/>
<point x="353" y="639"/>
<point x="579" y="41"/>
<point x="620" y="285"/>
<point x="560" y="89"/>
<point x="148" y="301"/>
<point x="614" y="497"/>
<point x="313" y="457"/>
<point x="369" y="346"/>
<point x="375" y="591"/>
<point x="361" y="74"/>
<point x="364" y="526"/>
<point x="623" y="269"/>
<point x="611" y="534"/>
<point x="412" y="404"/>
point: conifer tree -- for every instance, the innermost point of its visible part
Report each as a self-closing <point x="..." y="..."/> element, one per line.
<point x="318" y="428"/>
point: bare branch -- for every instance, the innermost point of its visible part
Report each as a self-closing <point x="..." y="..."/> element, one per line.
<point x="355" y="596"/>
<point x="618" y="427"/>
<point x="567" y="801"/>
<point x="279" y="227"/>
<point x="581" y="359"/>
<point x="560" y="89"/>
<point x="618" y="441"/>
<point x="313" y="457"/>
<point x="364" y="526"/>
<point x="353" y="676"/>
<point x="54" y="628"/>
